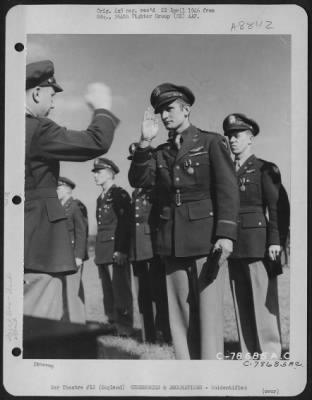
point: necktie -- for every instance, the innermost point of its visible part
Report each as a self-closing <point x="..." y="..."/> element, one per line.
<point x="237" y="165"/>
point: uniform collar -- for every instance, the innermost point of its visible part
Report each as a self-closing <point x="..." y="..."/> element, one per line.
<point x="105" y="194"/>
<point x="247" y="161"/>
<point x="68" y="202"/>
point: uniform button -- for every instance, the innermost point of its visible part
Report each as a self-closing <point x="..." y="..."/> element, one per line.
<point x="259" y="223"/>
<point x="177" y="166"/>
<point x="136" y="200"/>
<point x="177" y="179"/>
<point x="137" y="215"/>
<point x="112" y="238"/>
<point x="137" y="224"/>
<point x="99" y="222"/>
<point x="137" y="208"/>
<point x="211" y="213"/>
<point x="197" y="164"/>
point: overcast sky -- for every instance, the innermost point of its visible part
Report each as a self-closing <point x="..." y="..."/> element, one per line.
<point x="248" y="74"/>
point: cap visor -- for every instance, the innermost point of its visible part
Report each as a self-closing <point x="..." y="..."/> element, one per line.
<point x="57" y="88"/>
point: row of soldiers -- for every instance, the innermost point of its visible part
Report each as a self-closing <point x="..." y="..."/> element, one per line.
<point x="125" y="234"/>
<point x="208" y="213"/>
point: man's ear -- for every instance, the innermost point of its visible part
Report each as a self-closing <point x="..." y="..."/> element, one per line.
<point x="187" y="110"/>
<point x="36" y="94"/>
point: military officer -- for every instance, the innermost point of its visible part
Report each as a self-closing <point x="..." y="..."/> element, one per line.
<point x="197" y="194"/>
<point x="148" y="268"/>
<point x="48" y="254"/>
<point x="113" y="214"/>
<point x="263" y="225"/>
<point x="77" y="221"/>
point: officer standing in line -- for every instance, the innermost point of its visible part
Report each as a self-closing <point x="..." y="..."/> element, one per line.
<point x="48" y="254"/>
<point x="113" y="214"/>
<point x="148" y="268"/>
<point x="198" y="199"/>
<point x="255" y="261"/>
<point x="77" y="222"/>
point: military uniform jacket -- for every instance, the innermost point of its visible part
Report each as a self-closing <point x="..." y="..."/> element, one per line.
<point x="261" y="198"/>
<point x="47" y="244"/>
<point x="113" y="215"/>
<point x="77" y="223"/>
<point x="196" y="190"/>
<point x="143" y="225"/>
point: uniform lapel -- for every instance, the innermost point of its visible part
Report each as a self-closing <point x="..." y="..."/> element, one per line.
<point x="242" y="168"/>
<point x="108" y="193"/>
<point x="188" y="143"/>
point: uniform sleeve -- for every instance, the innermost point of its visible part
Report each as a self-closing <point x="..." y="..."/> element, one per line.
<point x="142" y="172"/>
<point x="59" y="143"/>
<point x="224" y="189"/>
<point x="81" y="232"/>
<point x="122" y="208"/>
<point x="271" y="186"/>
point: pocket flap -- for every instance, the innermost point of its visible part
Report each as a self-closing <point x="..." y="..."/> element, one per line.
<point x="54" y="209"/>
<point x="200" y="209"/>
<point x="251" y="220"/>
<point x="105" y="236"/>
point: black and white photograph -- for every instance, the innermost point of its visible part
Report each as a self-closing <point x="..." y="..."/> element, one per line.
<point x="155" y="200"/>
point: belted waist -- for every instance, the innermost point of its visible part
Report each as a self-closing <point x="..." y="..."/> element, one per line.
<point x="42" y="193"/>
<point x="250" y="209"/>
<point x="141" y="219"/>
<point x="180" y="197"/>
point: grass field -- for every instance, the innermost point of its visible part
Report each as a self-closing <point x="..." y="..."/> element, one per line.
<point x="115" y="347"/>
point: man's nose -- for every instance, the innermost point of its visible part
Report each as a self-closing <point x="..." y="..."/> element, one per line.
<point x="164" y="114"/>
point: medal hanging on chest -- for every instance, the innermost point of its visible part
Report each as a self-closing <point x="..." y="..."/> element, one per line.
<point x="188" y="167"/>
<point x="242" y="187"/>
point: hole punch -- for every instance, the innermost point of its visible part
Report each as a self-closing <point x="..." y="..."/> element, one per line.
<point x="16" y="200"/>
<point x="19" y="47"/>
<point x="16" y="351"/>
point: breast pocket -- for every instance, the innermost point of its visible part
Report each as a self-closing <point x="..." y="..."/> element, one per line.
<point x="200" y="163"/>
<point x="252" y="186"/>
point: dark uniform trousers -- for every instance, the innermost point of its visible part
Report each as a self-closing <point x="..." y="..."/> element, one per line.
<point x="48" y="253"/>
<point x="77" y="222"/>
<point x="148" y="269"/>
<point x="113" y="215"/>
<point x="198" y="202"/>
<point x="253" y="278"/>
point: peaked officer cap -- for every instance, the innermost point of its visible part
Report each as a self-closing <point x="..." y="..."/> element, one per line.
<point x="65" y="181"/>
<point x="239" y="122"/>
<point x="166" y="93"/>
<point x="41" y="73"/>
<point x="102" y="163"/>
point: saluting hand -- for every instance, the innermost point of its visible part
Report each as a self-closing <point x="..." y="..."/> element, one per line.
<point x="226" y="245"/>
<point x="149" y="127"/>
<point x="98" y="95"/>
<point x="274" y="251"/>
<point x="120" y="258"/>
